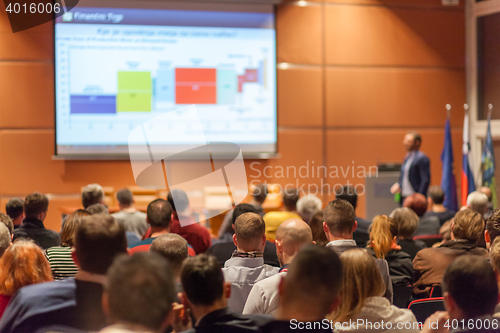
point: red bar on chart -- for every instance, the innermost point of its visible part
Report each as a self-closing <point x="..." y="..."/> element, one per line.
<point x="195" y="86"/>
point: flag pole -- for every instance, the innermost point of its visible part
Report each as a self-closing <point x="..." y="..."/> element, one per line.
<point x="448" y="111"/>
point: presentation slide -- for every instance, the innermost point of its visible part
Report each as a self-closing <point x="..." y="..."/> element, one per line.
<point x="117" y="68"/>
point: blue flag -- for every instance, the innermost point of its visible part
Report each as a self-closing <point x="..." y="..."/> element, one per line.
<point x="488" y="164"/>
<point x="448" y="177"/>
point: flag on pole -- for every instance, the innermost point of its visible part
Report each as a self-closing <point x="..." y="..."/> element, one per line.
<point x="468" y="184"/>
<point x="448" y="178"/>
<point x="488" y="163"/>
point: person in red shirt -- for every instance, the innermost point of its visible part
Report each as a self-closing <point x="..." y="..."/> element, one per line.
<point x="196" y="235"/>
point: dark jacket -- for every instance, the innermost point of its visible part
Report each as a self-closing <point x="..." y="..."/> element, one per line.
<point x="33" y="228"/>
<point x="427" y="225"/>
<point x="224" y="320"/>
<point x="431" y="263"/>
<point x="442" y="216"/>
<point x="400" y="267"/>
<point x="361" y="235"/>
<point x="411" y="247"/>
<point x="419" y="173"/>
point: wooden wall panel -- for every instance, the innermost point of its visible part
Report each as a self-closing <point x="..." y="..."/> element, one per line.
<point x="26" y="45"/>
<point x="299" y="34"/>
<point x="379" y="36"/>
<point x="434" y="4"/>
<point x="26" y="94"/>
<point x="396" y="97"/>
<point x="300" y="93"/>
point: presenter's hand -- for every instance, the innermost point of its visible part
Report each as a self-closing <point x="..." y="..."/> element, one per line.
<point x="395" y="188"/>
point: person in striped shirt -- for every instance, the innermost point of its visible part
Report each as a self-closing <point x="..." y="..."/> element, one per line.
<point x="59" y="257"/>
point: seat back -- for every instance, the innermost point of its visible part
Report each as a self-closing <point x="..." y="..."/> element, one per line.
<point x="429" y="240"/>
<point x="425" y="307"/>
<point x="402" y="295"/>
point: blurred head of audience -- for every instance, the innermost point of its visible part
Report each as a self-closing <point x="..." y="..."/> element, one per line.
<point x="15" y="209"/>
<point x="179" y="202"/>
<point x="290" y="198"/>
<point x="316" y="225"/>
<point x="172" y="247"/>
<point x="71" y="224"/>
<point x="125" y="198"/>
<point x="259" y="194"/>
<point x="478" y="202"/>
<point x="468" y="225"/>
<point x="97" y="208"/>
<point x="5" y="219"/>
<point x="308" y="205"/>
<point x="406" y="220"/>
<point x="347" y="193"/>
<point x="139" y="293"/>
<point x="291" y="236"/>
<point x="416" y="202"/>
<point x="92" y="194"/>
<point x="492" y="228"/>
<point x="5" y="238"/>
<point x="249" y="233"/>
<point x="383" y="235"/>
<point x="470" y="288"/>
<point x="339" y="220"/>
<point x="36" y="205"/>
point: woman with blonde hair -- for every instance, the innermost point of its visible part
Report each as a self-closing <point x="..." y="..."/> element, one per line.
<point x="59" y="257"/>
<point x="362" y="301"/>
<point x="22" y="264"/>
<point x="384" y="245"/>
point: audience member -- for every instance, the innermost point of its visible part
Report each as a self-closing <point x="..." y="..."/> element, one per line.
<point x="435" y="199"/>
<point x="35" y="209"/>
<point x="209" y="306"/>
<point x="196" y="235"/>
<point x="470" y="295"/>
<point x="97" y="208"/>
<point x="288" y="211"/>
<point x="92" y="194"/>
<point x="431" y="263"/>
<point x="138" y="294"/>
<point x="5" y="239"/>
<point x="224" y="251"/>
<point x="246" y="266"/>
<point x="22" y="264"/>
<point x="407" y="222"/>
<point x="339" y="225"/>
<point x="291" y="236"/>
<point x="316" y="225"/>
<point x="362" y="300"/>
<point x="174" y="248"/>
<point x="495" y="262"/>
<point x="15" y="209"/>
<point x="445" y="232"/>
<point x="361" y="234"/>
<point x="60" y="258"/>
<point x="308" y="205"/>
<point x="492" y="228"/>
<point x="489" y="194"/>
<point x="259" y="195"/>
<point x="231" y="216"/>
<point x="384" y="245"/>
<point x="71" y="302"/>
<point x="132" y="219"/>
<point x="5" y="219"/>
<point x="478" y="202"/>
<point x="427" y="225"/>
<point x="308" y="292"/>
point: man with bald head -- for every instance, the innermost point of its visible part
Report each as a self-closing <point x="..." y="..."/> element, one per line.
<point x="246" y="266"/>
<point x="291" y="236"/>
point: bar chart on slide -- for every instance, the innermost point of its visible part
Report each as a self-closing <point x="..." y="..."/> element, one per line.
<point x="109" y="85"/>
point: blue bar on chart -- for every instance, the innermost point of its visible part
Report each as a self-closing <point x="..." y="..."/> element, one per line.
<point x="227" y="86"/>
<point x="165" y="85"/>
<point x="92" y="104"/>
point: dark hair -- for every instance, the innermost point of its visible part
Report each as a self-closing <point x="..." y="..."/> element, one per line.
<point x="339" y="216"/>
<point x="416" y="136"/>
<point x="178" y="200"/>
<point x="314" y="277"/>
<point x="249" y="228"/>
<point x="172" y="247"/>
<point x="14" y="207"/>
<point x="471" y="282"/>
<point x="347" y="193"/>
<point x="316" y="224"/>
<point x="493" y="225"/>
<point x="290" y="198"/>
<point x="140" y="290"/>
<point x="98" y="240"/>
<point x="92" y="194"/>
<point x="70" y="225"/>
<point x="5" y="219"/>
<point x="35" y="203"/>
<point x="97" y="208"/>
<point x="417" y="203"/>
<point x="125" y="197"/>
<point x="436" y="194"/>
<point x="202" y="279"/>
<point x="260" y="193"/>
<point x="159" y="213"/>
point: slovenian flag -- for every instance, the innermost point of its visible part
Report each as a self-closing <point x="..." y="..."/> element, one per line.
<point x="468" y="184"/>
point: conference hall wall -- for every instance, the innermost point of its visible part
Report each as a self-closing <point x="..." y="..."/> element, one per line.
<point x="359" y="74"/>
